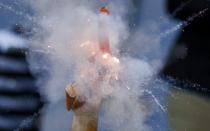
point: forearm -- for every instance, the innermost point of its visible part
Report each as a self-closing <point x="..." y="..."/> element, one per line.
<point x="84" y="123"/>
<point x="85" y="116"/>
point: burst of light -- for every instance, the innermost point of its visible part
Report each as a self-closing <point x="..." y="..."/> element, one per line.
<point x="105" y="56"/>
<point x="116" y="59"/>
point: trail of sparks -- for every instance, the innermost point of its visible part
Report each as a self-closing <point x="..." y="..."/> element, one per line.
<point x="183" y="24"/>
<point x="156" y="100"/>
<point x="184" y="4"/>
<point x="26" y="122"/>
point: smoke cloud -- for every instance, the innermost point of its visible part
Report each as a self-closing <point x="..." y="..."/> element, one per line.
<point x="57" y="58"/>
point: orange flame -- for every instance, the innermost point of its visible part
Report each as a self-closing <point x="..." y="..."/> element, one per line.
<point x="104" y="10"/>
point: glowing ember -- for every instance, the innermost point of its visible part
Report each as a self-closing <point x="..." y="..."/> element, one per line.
<point x="104" y="10"/>
<point x="107" y="62"/>
<point x="95" y="52"/>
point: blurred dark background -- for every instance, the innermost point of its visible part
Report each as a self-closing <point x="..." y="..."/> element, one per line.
<point x="188" y="65"/>
<point x="194" y="65"/>
<point x="20" y="100"/>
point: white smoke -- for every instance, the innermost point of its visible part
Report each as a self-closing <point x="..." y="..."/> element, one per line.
<point x="55" y="53"/>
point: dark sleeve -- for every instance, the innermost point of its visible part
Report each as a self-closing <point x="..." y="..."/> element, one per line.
<point x="20" y="100"/>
